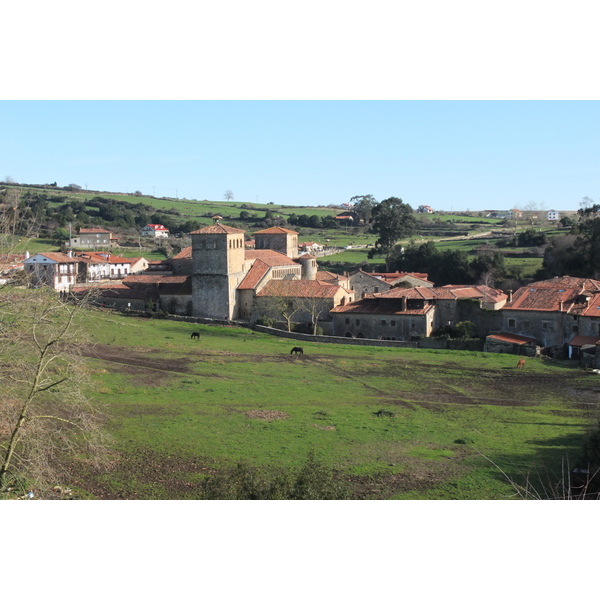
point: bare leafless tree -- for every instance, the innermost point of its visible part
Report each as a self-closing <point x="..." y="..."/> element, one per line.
<point x="316" y="307"/>
<point x="45" y="416"/>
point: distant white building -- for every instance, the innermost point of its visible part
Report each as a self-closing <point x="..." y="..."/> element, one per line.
<point x="425" y="209"/>
<point x="155" y="231"/>
<point x="552" y="215"/>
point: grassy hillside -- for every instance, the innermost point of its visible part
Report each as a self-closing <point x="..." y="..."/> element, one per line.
<point x="392" y="423"/>
<point x="465" y="232"/>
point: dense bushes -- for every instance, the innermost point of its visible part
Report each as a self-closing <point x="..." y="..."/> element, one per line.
<point x="312" y="481"/>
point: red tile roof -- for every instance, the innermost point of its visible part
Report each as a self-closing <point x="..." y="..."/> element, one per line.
<point x="217" y="228"/>
<point x="157" y="278"/>
<point x="156" y="227"/>
<point x="299" y="288"/>
<point x="93" y="230"/>
<point x="584" y="340"/>
<point x="373" y="306"/>
<point x="58" y="257"/>
<point x="276" y="230"/>
<point x="269" y="257"/>
<point x="185" y="253"/>
<point x="512" y="338"/>
<point x="449" y="292"/>
<point x="561" y="293"/>
<point x="254" y="275"/>
<point x="326" y="276"/>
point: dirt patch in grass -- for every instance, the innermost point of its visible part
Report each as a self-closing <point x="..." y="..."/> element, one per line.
<point x="266" y="415"/>
<point x="144" y="475"/>
<point x="133" y="358"/>
<point x="324" y="427"/>
<point x="417" y="475"/>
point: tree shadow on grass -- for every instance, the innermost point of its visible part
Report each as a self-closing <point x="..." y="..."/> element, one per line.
<point x="547" y="472"/>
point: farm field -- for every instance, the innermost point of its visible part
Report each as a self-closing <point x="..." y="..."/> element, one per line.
<point x="392" y="423"/>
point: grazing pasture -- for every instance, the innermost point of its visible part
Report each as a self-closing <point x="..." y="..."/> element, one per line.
<point x="391" y="423"/>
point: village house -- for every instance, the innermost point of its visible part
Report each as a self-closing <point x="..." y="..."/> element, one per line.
<point x="409" y="313"/>
<point x="310" y="247"/>
<point x="154" y="231"/>
<point x="424" y="209"/>
<point x="554" y="311"/>
<point x="91" y="238"/>
<point x="94" y="266"/>
<point x="54" y="269"/>
<point x="364" y="283"/>
<point x="552" y="215"/>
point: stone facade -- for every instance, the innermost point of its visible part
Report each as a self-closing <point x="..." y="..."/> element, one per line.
<point x="554" y="311"/>
<point x="217" y="270"/>
<point x="278" y="239"/>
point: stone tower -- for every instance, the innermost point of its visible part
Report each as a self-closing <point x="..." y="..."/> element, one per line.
<point x="217" y="270"/>
<point x="278" y="239"/>
<point x="309" y="266"/>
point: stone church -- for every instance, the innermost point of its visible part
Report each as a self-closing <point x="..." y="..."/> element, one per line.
<point x="227" y="277"/>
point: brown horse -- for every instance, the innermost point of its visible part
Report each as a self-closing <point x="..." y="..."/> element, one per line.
<point x="521" y="363"/>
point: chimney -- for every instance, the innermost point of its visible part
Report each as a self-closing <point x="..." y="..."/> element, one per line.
<point x="403" y="303"/>
<point x="561" y="305"/>
<point x="26" y="254"/>
<point x="70" y="253"/>
<point x="510" y="295"/>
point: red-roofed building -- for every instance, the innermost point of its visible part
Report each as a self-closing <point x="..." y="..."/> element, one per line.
<point x="54" y="269"/>
<point x="364" y="283"/>
<point x="409" y="313"/>
<point x="154" y="231"/>
<point x="95" y="266"/>
<point x="554" y="311"/>
<point x="512" y="344"/>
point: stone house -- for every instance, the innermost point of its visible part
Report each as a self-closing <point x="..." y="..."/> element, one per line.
<point x="364" y="283"/>
<point x="308" y="300"/>
<point x="554" y="311"/>
<point x="511" y="343"/>
<point x="408" y="313"/>
<point x="55" y="269"/>
<point x="91" y="238"/>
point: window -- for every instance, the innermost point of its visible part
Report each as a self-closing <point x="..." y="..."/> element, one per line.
<point x="575" y="328"/>
<point x="393" y="324"/>
<point x="512" y="323"/>
<point x="383" y="322"/>
<point x="358" y="321"/>
<point x="347" y="321"/>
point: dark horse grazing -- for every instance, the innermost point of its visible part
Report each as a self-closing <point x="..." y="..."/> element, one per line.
<point x="195" y="335"/>
<point x="297" y="350"/>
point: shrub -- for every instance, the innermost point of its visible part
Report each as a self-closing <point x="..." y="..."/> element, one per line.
<point x="312" y="481"/>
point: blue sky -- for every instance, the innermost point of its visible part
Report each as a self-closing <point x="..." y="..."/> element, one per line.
<point x="452" y="155"/>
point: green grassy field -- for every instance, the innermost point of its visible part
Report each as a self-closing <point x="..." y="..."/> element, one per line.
<point x="180" y="410"/>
